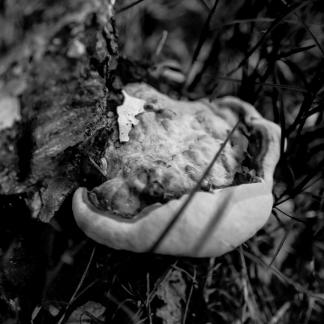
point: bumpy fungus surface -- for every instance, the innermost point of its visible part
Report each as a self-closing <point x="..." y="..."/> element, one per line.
<point x="167" y="153"/>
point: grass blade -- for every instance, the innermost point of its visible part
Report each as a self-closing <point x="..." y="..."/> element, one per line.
<point x="293" y="51"/>
<point x="203" y="35"/>
<point x="297" y="71"/>
<point x="273" y="26"/>
<point x="213" y="224"/>
<point x="129" y="6"/>
<point x="307" y="29"/>
<point x="286" y="280"/>
<point x="299" y="188"/>
<point x="186" y="311"/>
<point x="63" y="318"/>
<point x="290" y="216"/>
<point x="264" y="84"/>
<point x="314" y="86"/>
<point x="193" y="191"/>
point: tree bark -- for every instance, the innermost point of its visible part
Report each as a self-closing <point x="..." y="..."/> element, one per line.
<point x="59" y="64"/>
<point x="59" y="59"/>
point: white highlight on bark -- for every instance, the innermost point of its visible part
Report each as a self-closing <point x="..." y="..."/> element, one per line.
<point x="9" y="111"/>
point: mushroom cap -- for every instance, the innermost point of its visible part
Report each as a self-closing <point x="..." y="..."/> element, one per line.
<point x="213" y="223"/>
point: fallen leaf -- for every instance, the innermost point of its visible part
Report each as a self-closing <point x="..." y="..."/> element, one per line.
<point x="127" y="113"/>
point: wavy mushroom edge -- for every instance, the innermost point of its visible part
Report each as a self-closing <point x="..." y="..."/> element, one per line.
<point x="211" y="225"/>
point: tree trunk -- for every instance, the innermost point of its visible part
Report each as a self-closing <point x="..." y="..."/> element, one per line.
<point x="60" y="85"/>
<point x="58" y="62"/>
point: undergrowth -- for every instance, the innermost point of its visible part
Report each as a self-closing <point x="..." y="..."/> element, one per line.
<point x="271" y="55"/>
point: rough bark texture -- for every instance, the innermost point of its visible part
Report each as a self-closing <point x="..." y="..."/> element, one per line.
<point x="60" y="59"/>
<point x="59" y="63"/>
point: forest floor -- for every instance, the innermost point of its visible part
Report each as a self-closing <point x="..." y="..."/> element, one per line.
<point x="270" y="54"/>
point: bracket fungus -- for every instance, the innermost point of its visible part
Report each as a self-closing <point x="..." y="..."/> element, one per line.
<point x="151" y="176"/>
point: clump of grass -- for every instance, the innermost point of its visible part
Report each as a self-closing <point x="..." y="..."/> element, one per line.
<point x="270" y="54"/>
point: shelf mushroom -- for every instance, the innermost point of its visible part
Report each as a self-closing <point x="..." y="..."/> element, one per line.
<point x="153" y="169"/>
